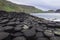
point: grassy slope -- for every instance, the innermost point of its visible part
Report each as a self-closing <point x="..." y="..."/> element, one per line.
<point x="8" y="6"/>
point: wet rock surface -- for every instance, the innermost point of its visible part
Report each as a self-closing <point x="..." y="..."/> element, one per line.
<point x="21" y="26"/>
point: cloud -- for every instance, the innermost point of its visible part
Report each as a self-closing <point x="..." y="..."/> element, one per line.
<point x="41" y="4"/>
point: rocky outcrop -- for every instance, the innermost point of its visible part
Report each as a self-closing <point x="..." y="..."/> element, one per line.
<point x="21" y="26"/>
<point x="57" y="11"/>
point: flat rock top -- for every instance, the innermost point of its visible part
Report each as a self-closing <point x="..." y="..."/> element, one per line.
<point x="22" y="26"/>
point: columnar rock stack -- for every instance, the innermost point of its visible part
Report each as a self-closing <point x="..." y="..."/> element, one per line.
<point x="21" y="26"/>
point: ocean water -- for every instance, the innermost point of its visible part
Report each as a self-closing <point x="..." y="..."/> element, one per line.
<point x="48" y="16"/>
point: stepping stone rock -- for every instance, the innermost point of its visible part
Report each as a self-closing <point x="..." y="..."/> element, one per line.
<point x="12" y="23"/>
<point x="39" y="28"/>
<point x="48" y="33"/>
<point x="51" y="25"/>
<point x="17" y="34"/>
<point x="19" y="38"/>
<point x="55" y="38"/>
<point x="4" y="21"/>
<point x="42" y="38"/>
<point x="57" y="31"/>
<point x="13" y="19"/>
<point x="2" y="29"/>
<point x="8" y="28"/>
<point x="57" y="25"/>
<point x="29" y="33"/>
<point x="39" y="34"/>
<point x="17" y="28"/>
<point x="3" y="35"/>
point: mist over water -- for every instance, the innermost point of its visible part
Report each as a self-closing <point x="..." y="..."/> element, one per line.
<point x="48" y="16"/>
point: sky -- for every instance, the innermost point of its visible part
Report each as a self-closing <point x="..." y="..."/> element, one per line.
<point x="41" y="4"/>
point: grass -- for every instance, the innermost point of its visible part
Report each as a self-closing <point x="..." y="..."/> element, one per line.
<point x="8" y="6"/>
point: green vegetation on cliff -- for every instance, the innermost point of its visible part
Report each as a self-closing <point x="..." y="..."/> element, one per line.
<point x="9" y="6"/>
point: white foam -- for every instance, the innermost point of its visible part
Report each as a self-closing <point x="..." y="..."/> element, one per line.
<point x="55" y="19"/>
<point x="48" y="16"/>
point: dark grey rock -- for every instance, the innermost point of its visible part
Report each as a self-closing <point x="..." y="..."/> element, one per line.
<point x="14" y="19"/>
<point x="51" y="25"/>
<point x="17" y="28"/>
<point x="29" y="33"/>
<point x="48" y="33"/>
<point x="17" y="34"/>
<point x="40" y="28"/>
<point x="57" y="25"/>
<point x="8" y="27"/>
<point x="19" y="38"/>
<point x="51" y="29"/>
<point x="4" y="21"/>
<point x="42" y="38"/>
<point x="13" y="23"/>
<point x="39" y="34"/>
<point x="3" y="35"/>
<point x="55" y="38"/>
<point x="2" y="29"/>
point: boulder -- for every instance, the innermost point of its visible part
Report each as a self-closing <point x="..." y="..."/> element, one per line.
<point x="39" y="34"/>
<point x="42" y="38"/>
<point x="3" y="35"/>
<point x="48" y="33"/>
<point x="19" y="38"/>
<point x="29" y="33"/>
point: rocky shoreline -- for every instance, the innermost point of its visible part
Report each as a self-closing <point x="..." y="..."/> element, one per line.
<point x="22" y="26"/>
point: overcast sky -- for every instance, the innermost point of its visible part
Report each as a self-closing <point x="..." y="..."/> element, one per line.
<point x="41" y="4"/>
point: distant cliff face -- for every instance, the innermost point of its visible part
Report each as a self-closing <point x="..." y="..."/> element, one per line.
<point x="9" y="6"/>
<point x="50" y="11"/>
<point x="57" y="11"/>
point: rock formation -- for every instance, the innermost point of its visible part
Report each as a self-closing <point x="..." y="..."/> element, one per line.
<point x="57" y="11"/>
<point x="22" y="26"/>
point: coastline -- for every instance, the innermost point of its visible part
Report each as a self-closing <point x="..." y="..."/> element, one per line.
<point x="22" y="26"/>
<point x="48" y="16"/>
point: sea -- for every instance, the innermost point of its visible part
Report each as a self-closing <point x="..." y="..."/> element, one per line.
<point x="48" y="16"/>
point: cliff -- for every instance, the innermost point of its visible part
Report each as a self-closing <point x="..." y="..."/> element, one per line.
<point x="9" y="6"/>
